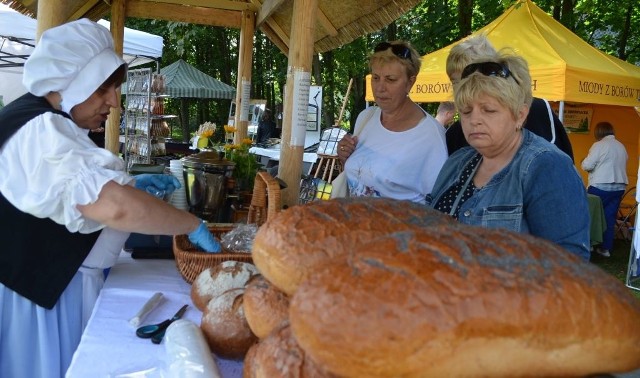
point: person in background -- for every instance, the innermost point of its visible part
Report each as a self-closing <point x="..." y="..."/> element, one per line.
<point x="445" y="113"/>
<point x="606" y="164"/>
<point x="509" y="177"/>
<point x="67" y="205"/>
<point x="541" y="120"/>
<point x="399" y="149"/>
<point x="266" y="127"/>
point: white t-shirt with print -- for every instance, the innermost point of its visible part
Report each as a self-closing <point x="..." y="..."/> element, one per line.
<point x="400" y="165"/>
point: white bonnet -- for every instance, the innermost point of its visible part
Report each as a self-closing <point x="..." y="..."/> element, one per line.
<point x="73" y="59"/>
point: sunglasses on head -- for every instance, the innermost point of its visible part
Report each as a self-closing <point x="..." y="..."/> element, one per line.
<point x="401" y="51"/>
<point x="488" y="69"/>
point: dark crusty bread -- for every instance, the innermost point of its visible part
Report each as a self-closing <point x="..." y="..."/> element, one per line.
<point x="457" y="300"/>
<point x="225" y="327"/>
<point x="279" y="356"/>
<point x="291" y="245"/>
<point x="265" y="306"/>
<point x="214" y="281"/>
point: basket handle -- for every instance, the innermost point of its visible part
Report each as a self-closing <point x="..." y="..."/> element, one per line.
<point x="266" y="196"/>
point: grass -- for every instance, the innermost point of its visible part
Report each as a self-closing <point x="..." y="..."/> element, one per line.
<point x="616" y="265"/>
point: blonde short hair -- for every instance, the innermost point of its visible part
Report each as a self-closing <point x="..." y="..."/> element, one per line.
<point x="411" y="63"/>
<point x="477" y="48"/>
<point x="513" y="92"/>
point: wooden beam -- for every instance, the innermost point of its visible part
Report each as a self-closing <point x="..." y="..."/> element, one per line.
<point x="266" y="10"/>
<point x="326" y="23"/>
<point x="279" y="32"/>
<point x="215" y="4"/>
<point x="112" y="126"/>
<point x="192" y="15"/>
<point x="52" y="13"/>
<point x="243" y="86"/>
<point x="296" y="98"/>
<point x="83" y="10"/>
<point x="275" y="39"/>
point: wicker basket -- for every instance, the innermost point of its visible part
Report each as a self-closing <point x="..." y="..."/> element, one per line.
<point x="265" y="202"/>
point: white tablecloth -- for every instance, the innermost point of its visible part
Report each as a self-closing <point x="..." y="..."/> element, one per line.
<point x="109" y="345"/>
<point x="274" y="154"/>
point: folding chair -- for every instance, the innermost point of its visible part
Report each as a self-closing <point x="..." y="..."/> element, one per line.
<point x="625" y="221"/>
<point x="633" y="268"/>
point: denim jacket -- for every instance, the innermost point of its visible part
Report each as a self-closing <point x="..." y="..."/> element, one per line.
<point x="539" y="192"/>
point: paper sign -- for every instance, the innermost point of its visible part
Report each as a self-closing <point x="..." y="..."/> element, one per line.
<point x="301" y="83"/>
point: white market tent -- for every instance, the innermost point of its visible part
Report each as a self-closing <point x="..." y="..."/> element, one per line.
<point x="17" y="39"/>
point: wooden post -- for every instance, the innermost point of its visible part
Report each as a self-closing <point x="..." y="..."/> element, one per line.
<point x="112" y="127"/>
<point x="297" y="98"/>
<point x="52" y="13"/>
<point x="243" y="86"/>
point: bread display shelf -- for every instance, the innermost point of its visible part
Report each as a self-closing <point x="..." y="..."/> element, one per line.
<point x="144" y="117"/>
<point x="191" y="262"/>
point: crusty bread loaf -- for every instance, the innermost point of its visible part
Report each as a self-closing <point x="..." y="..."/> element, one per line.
<point x="465" y="301"/>
<point x="265" y="306"/>
<point x="279" y="356"/>
<point x="214" y="281"/>
<point x="291" y="245"/>
<point x="225" y="326"/>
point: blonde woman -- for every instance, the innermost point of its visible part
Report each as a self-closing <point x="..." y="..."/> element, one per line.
<point x="400" y="148"/>
<point x="509" y="177"/>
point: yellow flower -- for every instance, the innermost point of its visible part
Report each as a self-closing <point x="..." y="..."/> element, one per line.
<point x="206" y="134"/>
<point x="247" y="141"/>
<point x="229" y="129"/>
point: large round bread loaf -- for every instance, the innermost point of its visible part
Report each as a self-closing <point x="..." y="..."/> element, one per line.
<point x="265" y="306"/>
<point x="294" y="243"/>
<point x="279" y="356"/>
<point x="214" y="281"/>
<point x="465" y="301"/>
<point x="225" y="327"/>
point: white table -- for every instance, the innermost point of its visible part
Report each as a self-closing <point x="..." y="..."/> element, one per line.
<point x="273" y="153"/>
<point x="109" y="346"/>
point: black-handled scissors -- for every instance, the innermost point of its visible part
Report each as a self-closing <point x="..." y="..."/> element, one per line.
<point x="156" y="331"/>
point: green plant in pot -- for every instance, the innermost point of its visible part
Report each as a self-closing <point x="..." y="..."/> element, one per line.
<point x="246" y="164"/>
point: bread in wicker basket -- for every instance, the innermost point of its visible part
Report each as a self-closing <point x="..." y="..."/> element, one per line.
<point x="265" y="203"/>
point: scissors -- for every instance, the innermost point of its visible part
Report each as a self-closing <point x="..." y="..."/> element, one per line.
<point x="156" y="331"/>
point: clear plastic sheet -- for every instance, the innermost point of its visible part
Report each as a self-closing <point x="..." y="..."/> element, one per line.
<point x="240" y="238"/>
<point x="187" y="355"/>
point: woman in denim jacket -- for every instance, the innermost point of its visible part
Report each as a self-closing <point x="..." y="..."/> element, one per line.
<point x="509" y="177"/>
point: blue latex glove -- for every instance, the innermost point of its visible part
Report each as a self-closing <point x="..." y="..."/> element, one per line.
<point x="204" y="239"/>
<point x="158" y="185"/>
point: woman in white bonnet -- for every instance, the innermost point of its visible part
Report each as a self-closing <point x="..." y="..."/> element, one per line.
<point x="67" y="206"/>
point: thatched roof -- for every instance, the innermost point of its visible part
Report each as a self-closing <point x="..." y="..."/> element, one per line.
<point x="338" y="21"/>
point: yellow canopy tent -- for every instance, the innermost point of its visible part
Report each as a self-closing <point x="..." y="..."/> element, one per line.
<point x="563" y="68"/>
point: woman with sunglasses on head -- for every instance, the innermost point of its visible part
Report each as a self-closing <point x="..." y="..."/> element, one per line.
<point x="541" y="120"/>
<point x="67" y="205"/>
<point x="509" y="177"/>
<point x="399" y="148"/>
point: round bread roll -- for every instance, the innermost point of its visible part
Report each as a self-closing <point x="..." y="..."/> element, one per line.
<point x="265" y="306"/>
<point x="279" y="355"/>
<point x="212" y="282"/>
<point x="465" y="301"/>
<point x="225" y="326"/>
<point x="294" y="243"/>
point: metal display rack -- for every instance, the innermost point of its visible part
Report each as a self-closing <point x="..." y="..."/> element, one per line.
<point x="145" y="130"/>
